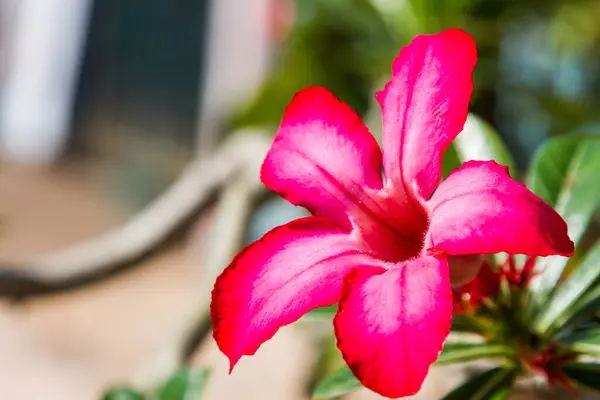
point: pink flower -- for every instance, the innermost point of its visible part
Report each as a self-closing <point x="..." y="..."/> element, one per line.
<point x="381" y="247"/>
<point x="549" y="363"/>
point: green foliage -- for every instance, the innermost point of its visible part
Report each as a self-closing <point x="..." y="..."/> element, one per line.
<point x="564" y="174"/>
<point x="586" y="373"/>
<point x="343" y="381"/>
<point x="494" y="384"/>
<point x="460" y="352"/>
<point x="477" y="141"/>
<point x="586" y="306"/>
<point x="340" y="44"/>
<point x="325" y="312"/>
<point x="337" y="384"/>
<point x="561" y="326"/>
<point x="450" y="161"/>
<point x="585" y="342"/>
<point x="122" y="393"/>
<point x="566" y="300"/>
<point x="480" y="141"/>
<point x="183" y="384"/>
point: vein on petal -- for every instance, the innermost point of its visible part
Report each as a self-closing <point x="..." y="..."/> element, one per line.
<point x="355" y="201"/>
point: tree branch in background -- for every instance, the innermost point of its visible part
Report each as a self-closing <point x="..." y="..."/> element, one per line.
<point x="106" y="254"/>
<point x="225" y="239"/>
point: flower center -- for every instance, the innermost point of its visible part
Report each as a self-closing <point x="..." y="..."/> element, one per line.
<point x="391" y="230"/>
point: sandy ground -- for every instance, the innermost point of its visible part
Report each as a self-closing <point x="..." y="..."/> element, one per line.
<point x="71" y="346"/>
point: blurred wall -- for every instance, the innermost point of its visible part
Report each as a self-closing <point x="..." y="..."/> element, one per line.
<point x="43" y="58"/>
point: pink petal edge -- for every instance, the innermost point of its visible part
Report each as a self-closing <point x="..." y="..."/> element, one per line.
<point x="391" y="325"/>
<point x="277" y="279"/>
<point x="480" y="209"/>
<point x="425" y="106"/>
<point x="323" y="157"/>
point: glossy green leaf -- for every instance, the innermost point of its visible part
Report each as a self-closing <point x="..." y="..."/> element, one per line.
<point x="183" y="385"/>
<point x="337" y="384"/>
<point x="479" y="141"/>
<point x="122" y="393"/>
<point x="587" y="341"/>
<point x="553" y="315"/>
<point x="460" y="352"/>
<point x="493" y="384"/>
<point x="586" y="373"/>
<point x="564" y="173"/>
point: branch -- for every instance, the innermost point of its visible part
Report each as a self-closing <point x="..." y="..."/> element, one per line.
<point x="232" y="214"/>
<point x="106" y="254"/>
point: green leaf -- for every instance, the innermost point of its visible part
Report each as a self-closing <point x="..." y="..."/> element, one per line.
<point x="586" y="373"/>
<point x="459" y="352"/>
<point x="122" y="393"/>
<point x="587" y="341"/>
<point x="343" y="381"/>
<point x="479" y="141"/>
<point x="324" y="312"/>
<point x="553" y="315"/>
<point x="587" y="304"/>
<point x="564" y="173"/>
<point x="494" y="384"/>
<point x="183" y="385"/>
<point x="337" y="384"/>
<point x="450" y="161"/>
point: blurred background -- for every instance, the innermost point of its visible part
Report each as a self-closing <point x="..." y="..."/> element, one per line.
<point x="104" y="102"/>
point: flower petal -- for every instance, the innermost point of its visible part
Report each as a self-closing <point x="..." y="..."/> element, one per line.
<point x="274" y="281"/>
<point x="488" y="281"/>
<point x="323" y="157"/>
<point x="391" y="324"/>
<point x="425" y="106"/>
<point x="479" y="209"/>
<point x="464" y="268"/>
